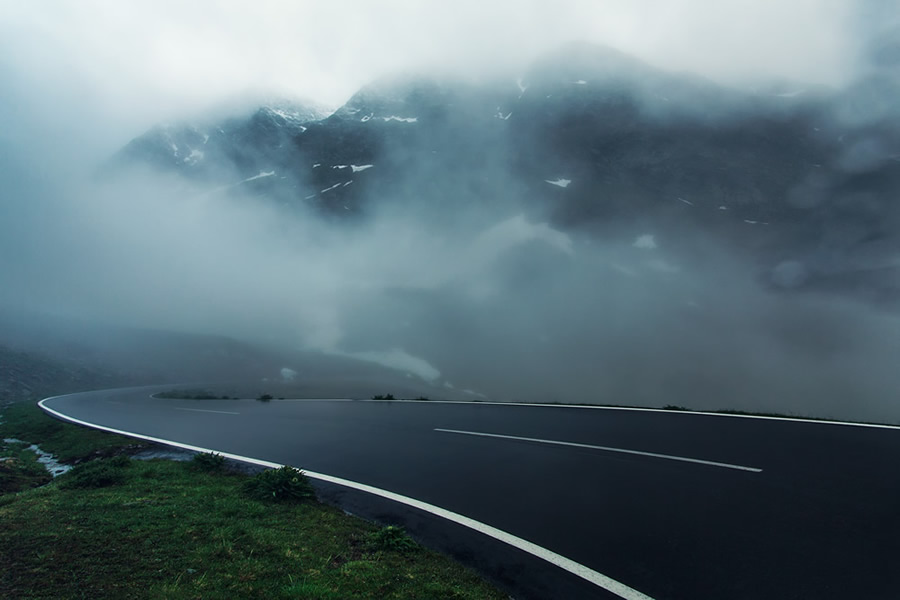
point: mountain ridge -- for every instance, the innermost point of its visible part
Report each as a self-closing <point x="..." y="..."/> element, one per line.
<point x="588" y="138"/>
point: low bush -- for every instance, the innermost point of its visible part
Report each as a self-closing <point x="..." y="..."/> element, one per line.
<point x="265" y="397"/>
<point x="285" y="484"/>
<point x="98" y="473"/>
<point x="208" y="461"/>
<point x="384" y="397"/>
<point x="391" y="539"/>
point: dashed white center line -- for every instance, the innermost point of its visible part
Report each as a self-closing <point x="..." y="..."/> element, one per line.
<point x="605" y="448"/>
<point x="221" y="412"/>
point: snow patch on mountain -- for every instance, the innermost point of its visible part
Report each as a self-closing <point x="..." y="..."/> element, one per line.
<point x="371" y="116"/>
<point x="260" y="176"/>
<point x="563" y="183"/>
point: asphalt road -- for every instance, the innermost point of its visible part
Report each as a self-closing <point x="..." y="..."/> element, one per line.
<point x="762" y="509"/>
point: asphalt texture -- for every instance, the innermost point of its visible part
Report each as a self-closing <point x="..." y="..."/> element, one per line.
<point x="820" y="520"/>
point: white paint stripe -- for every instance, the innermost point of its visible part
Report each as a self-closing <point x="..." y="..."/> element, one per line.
<point x="650" y="410"/>
<point x="221" y="412"/>
<point x="606" y="448"/>
<point x="607" y="583"/>
<point x="599" y="407"/>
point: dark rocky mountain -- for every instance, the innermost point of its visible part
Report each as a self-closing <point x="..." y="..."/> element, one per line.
<point x="232" y="151"/>
<point x="804" y="179"/>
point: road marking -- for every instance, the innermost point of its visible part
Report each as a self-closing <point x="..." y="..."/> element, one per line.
<point x="640" y="409"/>
<point x="607" y="583"/>
<point x="221" y="412"/>
<point x="606" y="448"/>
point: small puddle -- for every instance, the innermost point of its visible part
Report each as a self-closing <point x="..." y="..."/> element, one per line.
<point x="49" y="461"/>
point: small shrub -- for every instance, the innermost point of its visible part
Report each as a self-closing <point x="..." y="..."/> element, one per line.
<point x="208" y="461"/>
<point x="265" y="397"/>
<point x="285" y="484"/>
<point x="423" y="398"/>
<point x="120" y="460"/>
<point x="391" y="539"/>
<point x="384" y="397"/>
<point x="675" y="407"/>
<point x="98" y="473"/>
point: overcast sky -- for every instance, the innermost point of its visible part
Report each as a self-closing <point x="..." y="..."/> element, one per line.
<point x="141" y="61"/>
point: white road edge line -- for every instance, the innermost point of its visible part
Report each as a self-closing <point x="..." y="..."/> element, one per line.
<point x="606" y="448"/>
<point x="639" y="409"/>
<point x="221" y="412"/>
<point x="596" y="407"/>
<point x="607" y="583"/>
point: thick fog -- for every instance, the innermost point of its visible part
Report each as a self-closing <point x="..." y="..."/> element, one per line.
<point x="489" y="298"/>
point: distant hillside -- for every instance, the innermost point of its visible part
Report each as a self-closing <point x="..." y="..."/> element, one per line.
<point x="27" y="375"/>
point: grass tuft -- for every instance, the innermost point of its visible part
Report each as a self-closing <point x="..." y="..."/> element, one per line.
<point x="208" y="461"/>
<point x="391" y="539"/>
<point x="285" y="484"/>
<point x="97" y="473"/>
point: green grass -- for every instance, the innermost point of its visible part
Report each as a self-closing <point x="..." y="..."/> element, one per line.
<point x="162" y="529"/>
<point x="122" y="528"/>
<point x="69" y="443"/>
<point x="19" y="468"/>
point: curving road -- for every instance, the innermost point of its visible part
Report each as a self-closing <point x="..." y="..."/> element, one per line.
<point x="577" y="502"/>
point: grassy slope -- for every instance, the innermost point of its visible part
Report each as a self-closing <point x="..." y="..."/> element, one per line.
<point x="169" y="530"/>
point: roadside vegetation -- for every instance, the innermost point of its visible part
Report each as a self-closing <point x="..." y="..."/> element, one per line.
<point x="68" y="443"/>
<point x="115" y="527"/>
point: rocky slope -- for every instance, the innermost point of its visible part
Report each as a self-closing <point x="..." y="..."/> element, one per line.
<point x="803" y="179"/>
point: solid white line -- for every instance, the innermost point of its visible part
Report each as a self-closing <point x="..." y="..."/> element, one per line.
<point x="599" y="407"/>
<point x="606" y="448"/>
<point x="607" y="583"/>
<point x="221" y="412"/>
<point x="650" y="410"/>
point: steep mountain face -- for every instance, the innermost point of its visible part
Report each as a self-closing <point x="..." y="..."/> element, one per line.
<point x="590" y="138"/>
<point x="230" y="152"/>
